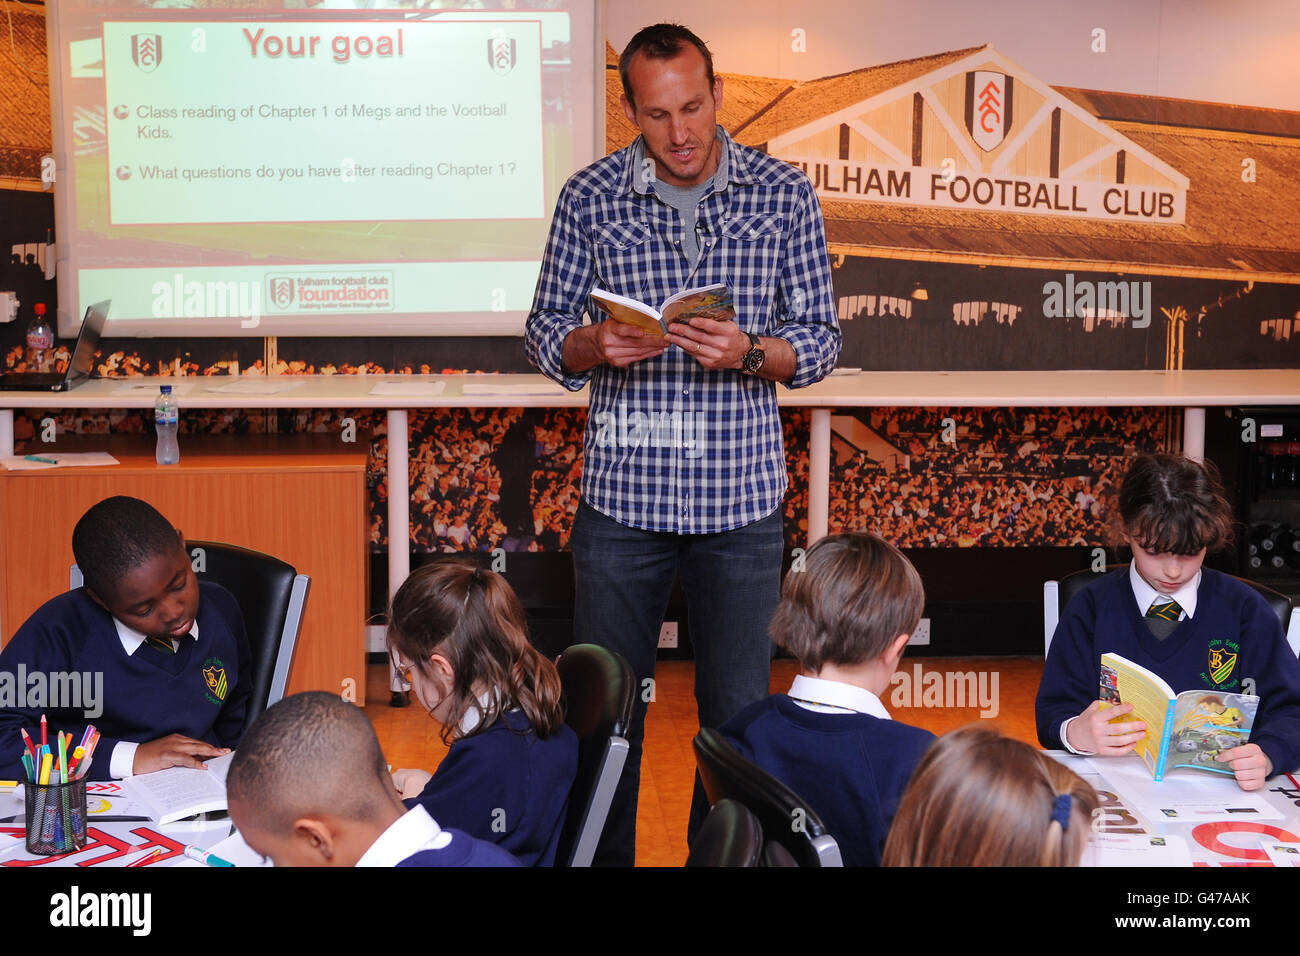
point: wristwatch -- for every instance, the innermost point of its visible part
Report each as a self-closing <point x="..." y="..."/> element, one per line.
<point x="753" y="359"/>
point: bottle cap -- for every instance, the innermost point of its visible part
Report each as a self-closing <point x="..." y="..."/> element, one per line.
<point x="40" y="308"/>
<point x="166" y="389"/>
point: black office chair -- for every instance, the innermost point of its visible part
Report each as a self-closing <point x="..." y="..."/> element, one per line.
<point x="1057" y="595"/>
<point x="598" y="690"/>
<point x="271" y="595"/>
<point x="786" y="819"/>
<point x="730" y="836"/>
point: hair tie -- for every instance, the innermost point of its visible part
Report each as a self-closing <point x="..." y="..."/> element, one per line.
<point x="1061" y="810"/>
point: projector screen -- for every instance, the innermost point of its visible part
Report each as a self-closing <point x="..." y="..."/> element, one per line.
<point x="256" y="170"/>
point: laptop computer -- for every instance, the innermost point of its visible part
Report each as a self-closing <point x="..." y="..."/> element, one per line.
<point x="83" y="358"/>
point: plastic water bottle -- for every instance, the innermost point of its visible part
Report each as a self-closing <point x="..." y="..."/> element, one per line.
<point x="165" y="418"/>
<point x="40" y="341"/>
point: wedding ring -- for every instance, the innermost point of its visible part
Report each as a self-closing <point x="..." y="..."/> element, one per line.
<point x="697" y="347"/>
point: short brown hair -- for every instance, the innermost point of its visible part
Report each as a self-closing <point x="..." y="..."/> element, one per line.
<point x="662" y="41"/>
<point x="1169" y="504"/>
<point x="855" y="595"/>
<point x="474" y="619"/>
<point x="978" y="798"/>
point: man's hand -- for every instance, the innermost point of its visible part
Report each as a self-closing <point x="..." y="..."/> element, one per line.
<point x="1093" y="732"/>
<point x="174" y="750"/>
<point x="1249" y="764"/>
<point x="410" y="783"/>
<point x="610" y="343"/>
<point x="712" y="343"/>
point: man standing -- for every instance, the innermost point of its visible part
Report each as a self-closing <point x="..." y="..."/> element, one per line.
<point x="684" y="467"/>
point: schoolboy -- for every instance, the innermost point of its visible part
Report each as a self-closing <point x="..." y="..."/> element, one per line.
<point x="310" y="787"/>
<point x="171" y="650"/>
<point x="847" y="618"/>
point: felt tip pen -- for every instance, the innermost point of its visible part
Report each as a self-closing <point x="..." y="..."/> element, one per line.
<point x="201" y="855"/>
<point x="43" y="461"/>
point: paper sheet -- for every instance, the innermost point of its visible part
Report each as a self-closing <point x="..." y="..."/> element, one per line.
<point x="1185" y="796"/>
<point x="1136" y="849"/>
<point x="151" y="387"/>
<point x="511" y="388"/>
<point x="83" y="459"/>
<point x="255" y="385"/>
<point x="408" y="388"/>
<point x="232" y="849"/>
<point x="1281" y="853"/>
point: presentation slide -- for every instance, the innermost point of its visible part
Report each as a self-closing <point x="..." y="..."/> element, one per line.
<point x="249" y="172"/>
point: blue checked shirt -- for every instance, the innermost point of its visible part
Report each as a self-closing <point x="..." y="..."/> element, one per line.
<point x="672" y="446"/>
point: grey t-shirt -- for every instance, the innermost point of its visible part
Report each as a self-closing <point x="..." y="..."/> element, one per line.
<point x="685" y="199"/>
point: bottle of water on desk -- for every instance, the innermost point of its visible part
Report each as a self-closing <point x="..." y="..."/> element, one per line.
<point x="166" y="417"/>
<point x="40" y="341"/>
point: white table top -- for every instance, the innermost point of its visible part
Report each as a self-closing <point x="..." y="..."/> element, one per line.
<point x="865" y="389"/>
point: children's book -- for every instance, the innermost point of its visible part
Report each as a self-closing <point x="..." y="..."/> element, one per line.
<point x="711" y="302"/>
<point x="179" y="792"/>
<point x="1184" y="731"/>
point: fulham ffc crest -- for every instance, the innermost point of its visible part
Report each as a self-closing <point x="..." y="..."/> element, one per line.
<point x="146" y="51"/>
<point x="501" y="53"/>
<point x="988" y="107"/>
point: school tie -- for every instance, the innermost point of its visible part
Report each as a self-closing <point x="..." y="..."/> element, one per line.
<point x="163" y="644"/>
<point x="1164" y="610"/>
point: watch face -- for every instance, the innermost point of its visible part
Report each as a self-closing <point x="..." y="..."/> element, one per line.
<point x="754" y="360"/>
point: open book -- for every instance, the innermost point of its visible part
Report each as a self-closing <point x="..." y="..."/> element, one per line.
<point x="1186" y="730"/>
<point x="711" y="302"/>
<point x="179" y="792"/>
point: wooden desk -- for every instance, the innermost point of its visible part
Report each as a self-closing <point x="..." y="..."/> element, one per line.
<point x="301" y="498"/>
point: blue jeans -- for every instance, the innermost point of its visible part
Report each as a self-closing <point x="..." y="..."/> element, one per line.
<point x="732" y="582"/>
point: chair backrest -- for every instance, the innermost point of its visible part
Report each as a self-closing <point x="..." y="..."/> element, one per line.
<point x="1057" y="595"/>
<point x="786" y="818"/>
<point x="599" y="689"/>
<point x="729" y="836"/>
<point x="271" y="596"/>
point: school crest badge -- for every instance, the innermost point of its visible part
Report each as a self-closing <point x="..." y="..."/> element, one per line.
<point x="214" y="676"/>
<point x="1221" y="664"/>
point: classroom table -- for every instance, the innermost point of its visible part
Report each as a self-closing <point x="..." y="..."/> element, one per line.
<point x="1191" y="390"/>
<point x="1215" y="843"/>
<point x="120" y="842"/>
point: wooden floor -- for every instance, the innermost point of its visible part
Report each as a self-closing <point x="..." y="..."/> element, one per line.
<point x="410" y="737"/>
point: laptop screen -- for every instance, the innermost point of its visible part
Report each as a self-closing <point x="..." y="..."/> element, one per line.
<point x="92" y="329"/>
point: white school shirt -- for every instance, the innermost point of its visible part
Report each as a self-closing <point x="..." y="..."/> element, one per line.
<point x="413" y="832"/>
<point x="121" y="762"/>
<point x="835" y="697"/>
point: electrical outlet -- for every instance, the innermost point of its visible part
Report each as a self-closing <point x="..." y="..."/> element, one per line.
<point x="375" y="642"/>
<point x="668" y="634"/>
<point x="922" y="633"/>
<point x="8" y="306"/>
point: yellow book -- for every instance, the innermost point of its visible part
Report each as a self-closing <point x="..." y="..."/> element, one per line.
<point x="1184" y="731"/>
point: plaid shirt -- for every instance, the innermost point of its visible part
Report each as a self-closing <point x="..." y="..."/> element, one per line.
<point x="672" y="446"/>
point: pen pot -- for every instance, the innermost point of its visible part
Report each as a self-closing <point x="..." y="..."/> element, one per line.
<point x="56" y="817"/>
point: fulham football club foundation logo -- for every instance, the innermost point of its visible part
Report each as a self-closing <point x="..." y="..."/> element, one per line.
<point x="988" y="107"/>
<point x="146" y="51"/>
<point x="501" y="53"/>
<point x="279" y="290"/>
